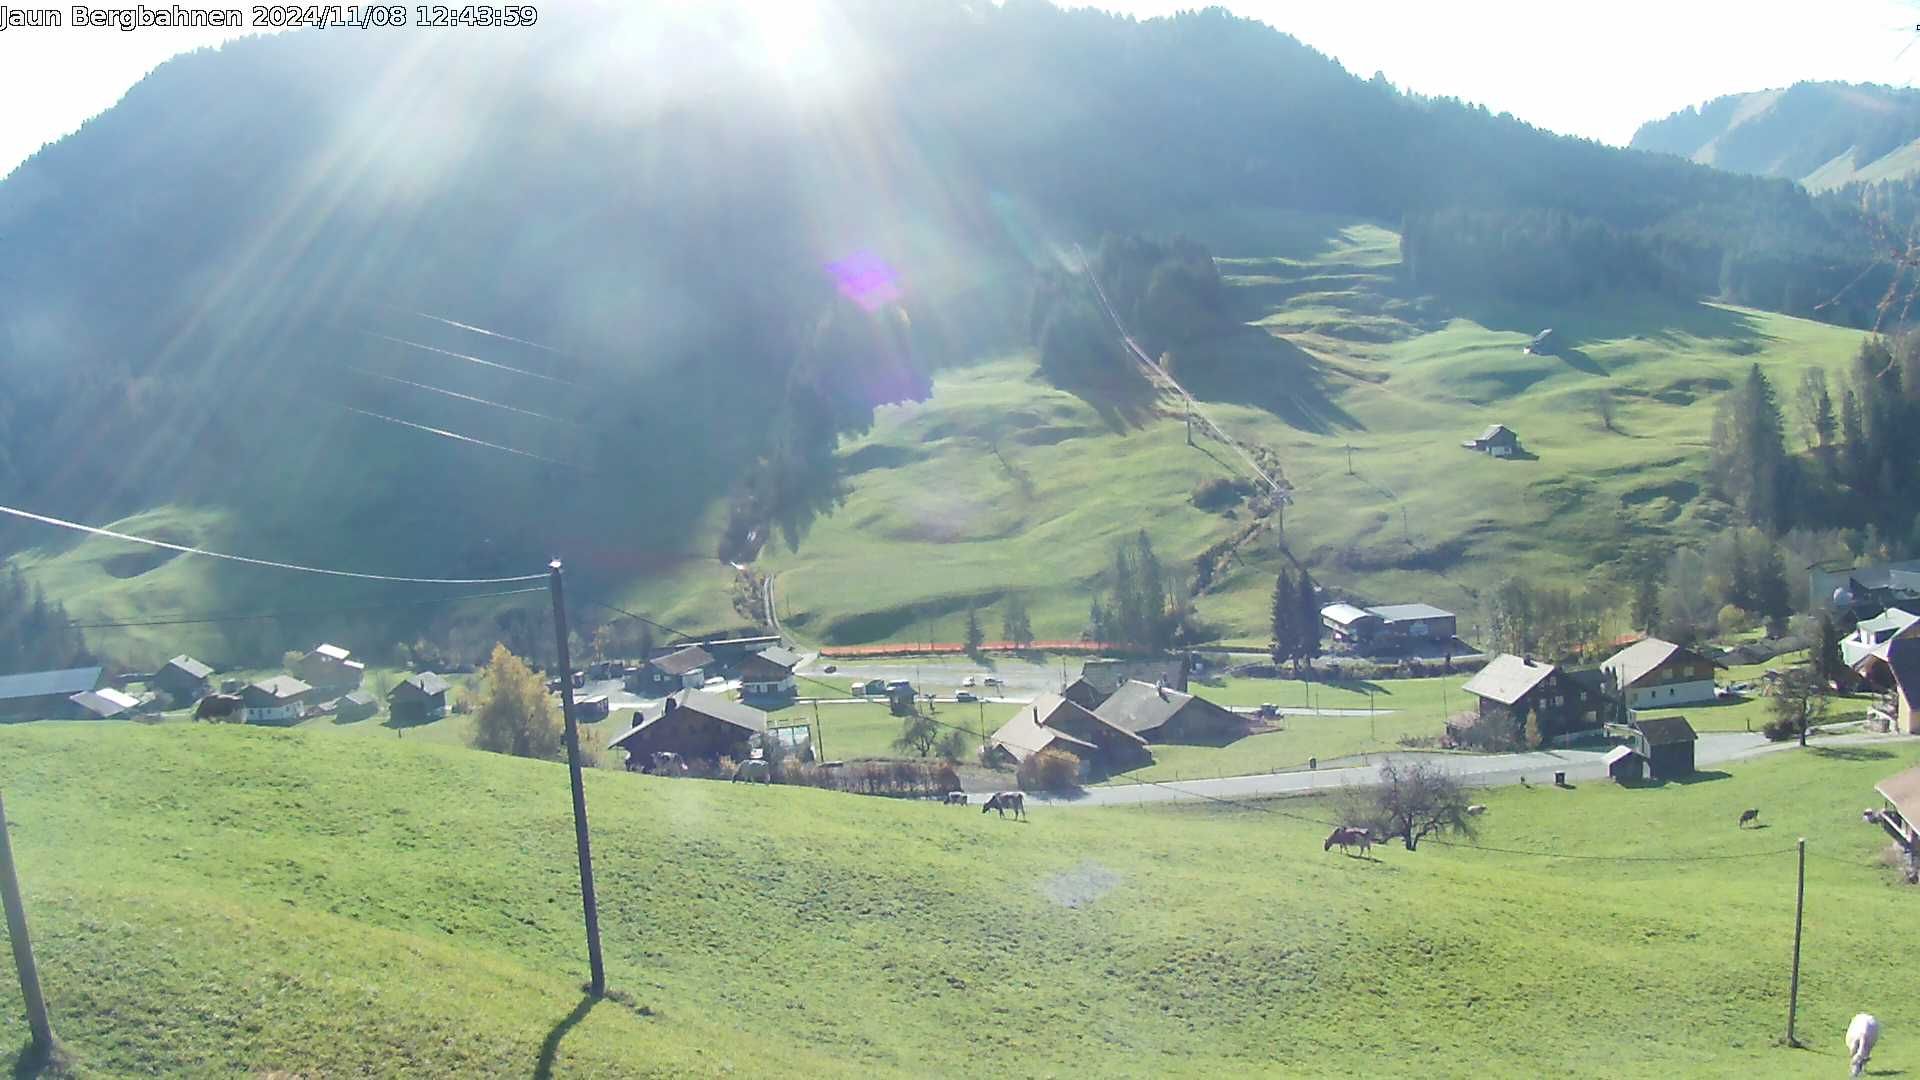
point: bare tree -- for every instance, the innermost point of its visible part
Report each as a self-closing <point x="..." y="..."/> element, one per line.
<point x="1799" y="703"/>
<point x="1416" y="801"/>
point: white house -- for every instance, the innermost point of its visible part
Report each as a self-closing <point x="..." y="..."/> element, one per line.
<point x="278" y="700"/>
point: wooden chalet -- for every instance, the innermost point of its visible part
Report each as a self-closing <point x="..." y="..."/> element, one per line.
<point x="1516" y="687"/>
<point x="695" y="724"/>
<point x="331" y="667"/>
<point x="1656" y="674"/>
<point x="1161" y="714"/>
<point x="418" y="699"/>
<point x="769" y="673"/>
<point x="1052" y="722"/>
<point x="182" y="678"/>
<point x="682" y="669"/>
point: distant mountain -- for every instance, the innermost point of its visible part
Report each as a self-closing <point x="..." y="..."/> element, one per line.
<point x="1824" y="135"/>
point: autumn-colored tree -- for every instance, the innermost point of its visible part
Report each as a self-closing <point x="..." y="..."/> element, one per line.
<point x="514" y="715"/>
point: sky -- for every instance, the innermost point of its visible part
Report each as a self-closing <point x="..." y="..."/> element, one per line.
<point x="1597" y="70"/>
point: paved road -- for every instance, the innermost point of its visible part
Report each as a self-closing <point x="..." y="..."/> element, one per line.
<point x="1476" y="770"/>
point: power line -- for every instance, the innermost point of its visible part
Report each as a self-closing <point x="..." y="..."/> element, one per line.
<point x="444" y="433"/>
<point x="219" y="617"/>
<point x="269" y="563"/>
<point x="491" y="333"/>
<point x="470" y="359"/>
<point x="454" y="394"/>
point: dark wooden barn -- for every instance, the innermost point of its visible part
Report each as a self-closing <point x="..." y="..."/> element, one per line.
<point x="1667" y="742"/>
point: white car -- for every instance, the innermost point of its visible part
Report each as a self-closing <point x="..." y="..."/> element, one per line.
<point x="968" y="681"/>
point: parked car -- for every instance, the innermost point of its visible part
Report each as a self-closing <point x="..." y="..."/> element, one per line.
<point x="1269" y="709"/>
<point x="876" y="686"/>
<point x="831" y="668"/>
<point x="968" y="681"/>
<point x="965" y="695"/>
<point x="993" y="680"/>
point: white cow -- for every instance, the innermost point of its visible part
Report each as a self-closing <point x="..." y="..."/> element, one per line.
<point x="1861" y="1035"/>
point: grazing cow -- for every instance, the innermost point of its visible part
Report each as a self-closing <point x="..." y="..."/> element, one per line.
<point x="1861" y="1035"/>
<point x="753" y="769"/>
<point x="1749" y="815"/>
<point x="217" y="707"/>
<point x="1348" y="836"/>
<point x="1004" y="801"/>
<point x="665" y="763"/>
<point x="1477" y="809"/>
<point x="956" y="798"/>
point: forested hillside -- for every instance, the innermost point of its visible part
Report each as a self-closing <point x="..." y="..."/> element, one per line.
<point x="662" y="263"/>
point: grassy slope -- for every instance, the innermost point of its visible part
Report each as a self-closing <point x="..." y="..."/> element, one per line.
<point x="934" y="522"/>
<point x="218" y="900"/>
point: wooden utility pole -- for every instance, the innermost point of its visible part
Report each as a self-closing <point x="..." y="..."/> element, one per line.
<point x="1799" y="910"/>
<point x="819" y="744"/>
<point x="1349" y="459"/>
<point x="598" y="985"/>
<point x="37" y="1022"/>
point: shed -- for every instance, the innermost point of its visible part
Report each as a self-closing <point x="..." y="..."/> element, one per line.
<point x="1626" y="765"/>
<point x="592" y="709"/>
<point x="356" y="706"/>
<point x="418" y="698"/>
<point x="1667" y="742"/>
<point x="1498" y="440"/>
<point x="104" y="703"/>
<point x="1348" y="624"/>
<point x="183" y="678"/>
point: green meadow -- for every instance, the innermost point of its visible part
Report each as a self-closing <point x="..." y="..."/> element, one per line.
<point x="218" y="900"/>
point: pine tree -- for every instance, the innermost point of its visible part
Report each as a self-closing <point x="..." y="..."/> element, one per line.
<point x="1307" y="623"/>
<point x="1772" y="597"/>
<point x="1828" y="665"/>
<point x="1014" y="626"/>
<point x="975" y="636"/>
<point x="1155" y="630"/>
<point x="1646" y="604"/>
<point x="1286" y="634"/>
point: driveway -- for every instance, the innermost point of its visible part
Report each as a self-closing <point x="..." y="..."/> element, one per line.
<point x="1474" y="770"/>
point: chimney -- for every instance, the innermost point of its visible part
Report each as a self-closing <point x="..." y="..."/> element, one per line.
<point x="1160" y="687"/>
<point x="669" y="706"/>
<point x="1527" y="660"/>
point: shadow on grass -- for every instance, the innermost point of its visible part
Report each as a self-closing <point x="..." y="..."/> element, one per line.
<point x="1123" y="398"/>
<point x="1250" y="366"/>
<point x="1851" y="753"/>
<point x="35" y="1061"/>
<point x="550" y="1047"/>
<point x="1580" y="361"/>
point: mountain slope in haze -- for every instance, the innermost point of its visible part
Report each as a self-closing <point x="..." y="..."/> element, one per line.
<point x="1824" y="135"/>
<point x="616" y="288"/>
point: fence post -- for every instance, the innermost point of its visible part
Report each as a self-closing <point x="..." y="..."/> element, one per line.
<point x="37" y="1021"/>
